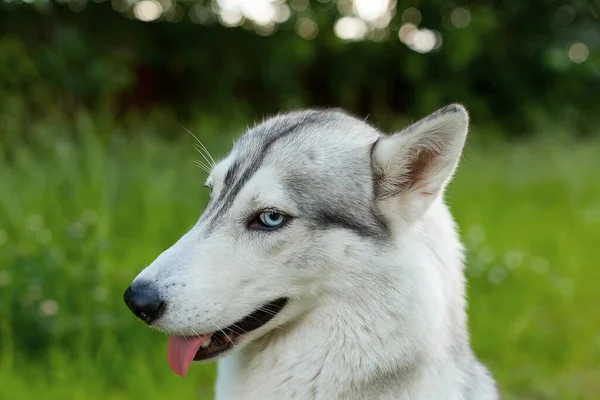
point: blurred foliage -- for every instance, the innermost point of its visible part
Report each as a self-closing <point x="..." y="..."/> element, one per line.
<point x="508" y="61"/>
<point x="84" y="206"/>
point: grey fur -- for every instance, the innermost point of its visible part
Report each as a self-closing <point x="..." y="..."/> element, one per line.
<point x="263" y="137"/>
<point x="320" y="205"/>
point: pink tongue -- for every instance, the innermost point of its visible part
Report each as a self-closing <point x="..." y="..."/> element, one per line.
<point x="182" y="350"/>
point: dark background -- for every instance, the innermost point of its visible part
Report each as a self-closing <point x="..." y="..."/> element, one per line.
<point x="517" y="65"/>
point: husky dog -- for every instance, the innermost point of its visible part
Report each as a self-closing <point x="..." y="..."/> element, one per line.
<point x="325" y="266"/>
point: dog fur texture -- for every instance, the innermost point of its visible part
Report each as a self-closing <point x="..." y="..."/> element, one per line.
<point x="369" y="259"/>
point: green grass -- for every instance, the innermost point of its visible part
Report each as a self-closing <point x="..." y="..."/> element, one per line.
<point x="84" y="206"/>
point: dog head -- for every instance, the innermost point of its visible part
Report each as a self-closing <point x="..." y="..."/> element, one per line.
<point x="295" y="209"/>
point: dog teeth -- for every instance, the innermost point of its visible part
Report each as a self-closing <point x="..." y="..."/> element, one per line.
<point x="206" y="344"/>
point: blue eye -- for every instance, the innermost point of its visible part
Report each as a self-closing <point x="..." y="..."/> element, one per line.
<point x="268" y="220"/>
<point x="271" y="219"/>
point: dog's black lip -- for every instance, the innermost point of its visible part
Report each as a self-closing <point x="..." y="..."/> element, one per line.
<point x="251" y="322"/>
<point x="258" y="318"/>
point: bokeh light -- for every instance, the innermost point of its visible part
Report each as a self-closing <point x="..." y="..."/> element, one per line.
<point x="307" y="28"/>
<point x="350" y="28"/>
<point x="420" y="40"/>
<point x="406" y="32"/>
<point x="147" y="10"/>
<point x="564" y="15"/>
<point x="299" y="5"/>
<point x="578" y="52"/>
<point x="460" y="17"/>
<point x="411" y="15"/>
<point x="345" y="7"/>
<point x="49" y="307"/>
<point x="199" y="14"/>
<point x="231" y="18"/>
<point x="282" y="13"/>
<point x="423" y="41"/>
<point x="262" y="12"/>
<point x="370" y="10"/>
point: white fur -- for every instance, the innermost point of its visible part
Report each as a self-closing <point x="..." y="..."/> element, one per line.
<point x="367" y="318"/>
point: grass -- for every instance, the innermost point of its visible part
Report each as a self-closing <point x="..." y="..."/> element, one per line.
<point x="84" y="206"/>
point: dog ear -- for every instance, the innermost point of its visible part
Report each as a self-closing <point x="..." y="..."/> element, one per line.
<point x="418" y="162"/>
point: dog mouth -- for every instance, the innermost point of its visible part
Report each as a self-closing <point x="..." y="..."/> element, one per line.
<point x="185" y="349"/>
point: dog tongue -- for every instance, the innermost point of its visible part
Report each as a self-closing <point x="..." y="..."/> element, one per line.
<point x="182" y="350"/>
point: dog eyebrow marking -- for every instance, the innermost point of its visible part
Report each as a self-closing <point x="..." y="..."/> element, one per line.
<point x="325" y="214"/>
<point x="232" y="187"/>
<point x="228" y="180"/>
<point x="375" y="228"/>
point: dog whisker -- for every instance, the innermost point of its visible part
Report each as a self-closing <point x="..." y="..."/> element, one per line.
<point x="202" y="166"/>
<point x="211" y="162"/>
<point x="202" y="153"/>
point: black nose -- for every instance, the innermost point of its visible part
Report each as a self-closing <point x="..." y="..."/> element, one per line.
<point x="143" y="299"/>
